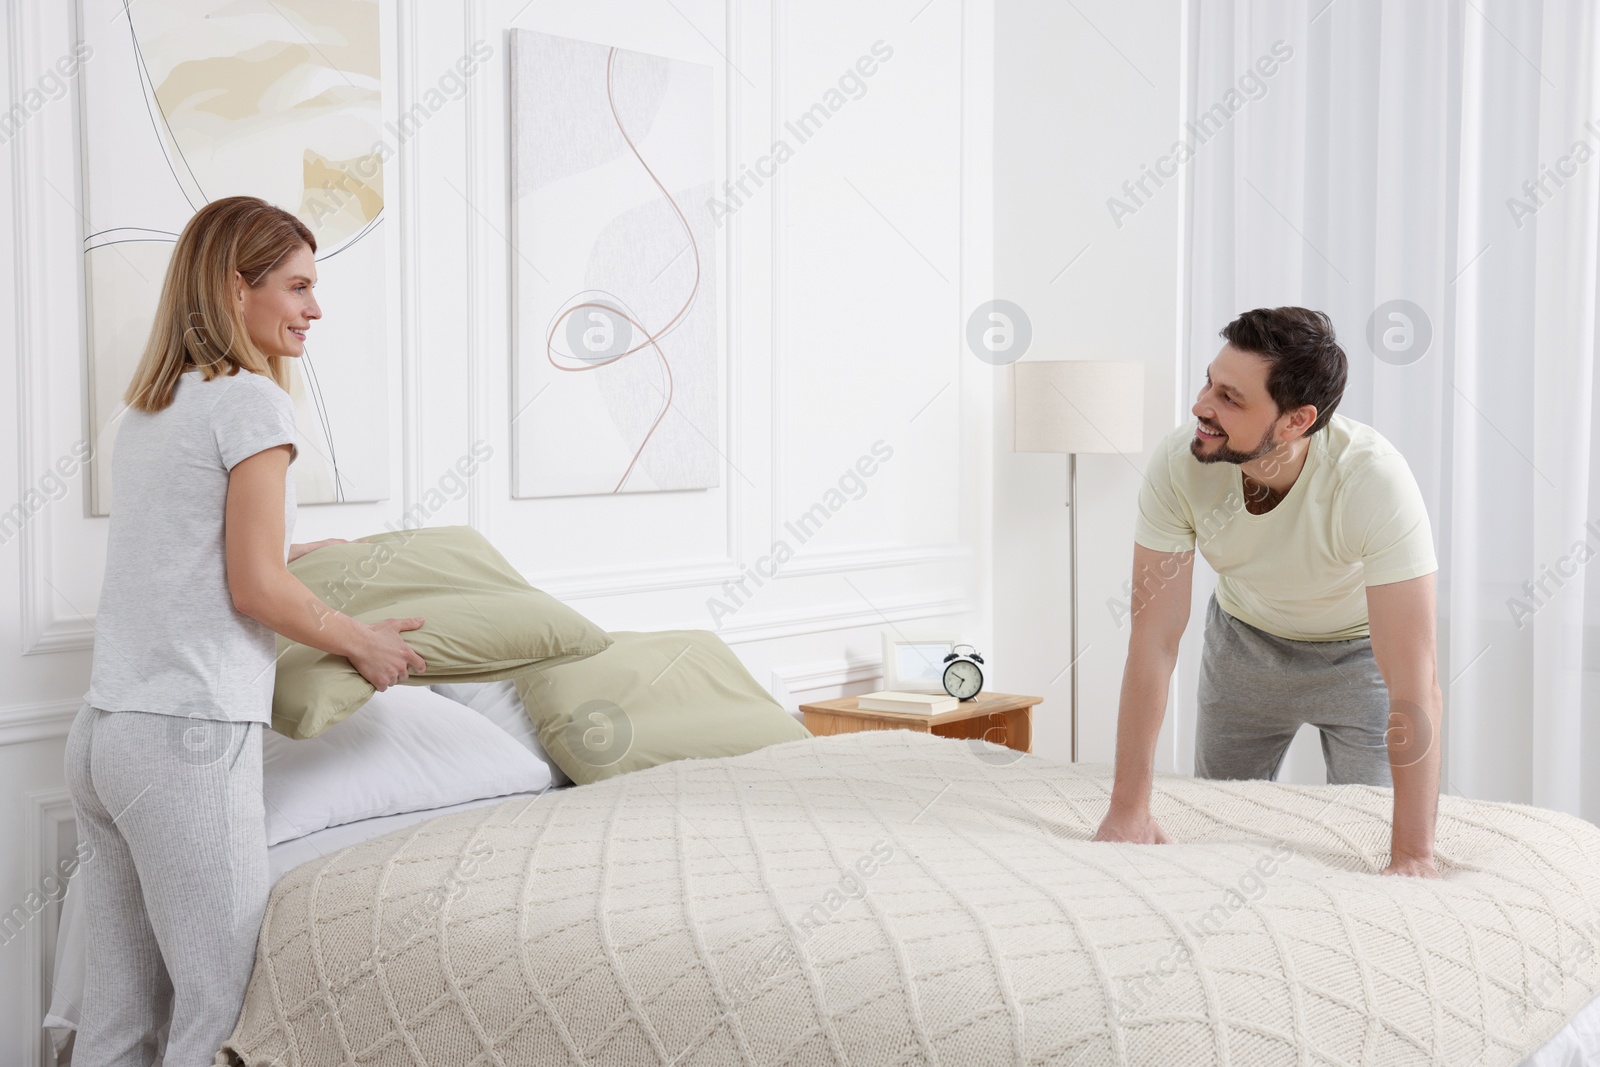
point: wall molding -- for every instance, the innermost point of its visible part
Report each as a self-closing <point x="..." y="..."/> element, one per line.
<point x="848" y="560"/>
<point x="836" y="560"/>
<point x="777" y="418"/>
<point x="48" y="811"/>
<point x="43" y="631"/>
<point x="409" y="256"/>
<point x="22" y="724"/>
<point x="787" y="682"/>
<point x="827" y="618"/>
<point x="733" y="262"/>
<point x="584" y="584"/>
<point x="590" y="582"/>
<point x="479" y="509"/>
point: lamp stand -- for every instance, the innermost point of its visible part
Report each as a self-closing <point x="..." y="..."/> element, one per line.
<point x="1072" y="577"/>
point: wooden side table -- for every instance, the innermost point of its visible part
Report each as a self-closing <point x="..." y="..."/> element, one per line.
<point x="1003" y="718"/>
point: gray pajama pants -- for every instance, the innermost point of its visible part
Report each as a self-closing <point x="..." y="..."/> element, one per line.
<point x="1257" y="689"/>
<point x="176" y="884"/>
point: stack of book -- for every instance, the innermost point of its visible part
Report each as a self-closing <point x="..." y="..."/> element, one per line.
<point x="914" y="703"/>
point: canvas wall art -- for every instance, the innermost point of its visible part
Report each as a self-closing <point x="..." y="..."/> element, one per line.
<point x="188" y="101"/>
<point x="615" y="368"/>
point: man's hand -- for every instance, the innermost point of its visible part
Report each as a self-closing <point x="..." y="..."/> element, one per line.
<point x="296" y="551"/>
<point x="1134" y="826"/>
<point x="1412" y="866"/>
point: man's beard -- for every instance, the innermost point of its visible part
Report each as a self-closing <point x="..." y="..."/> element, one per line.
<point x="1224" y="454"/>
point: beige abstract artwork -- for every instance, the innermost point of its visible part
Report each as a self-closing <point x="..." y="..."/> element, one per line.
<point x="188" y="101"/>
<point x="612" y="156"/>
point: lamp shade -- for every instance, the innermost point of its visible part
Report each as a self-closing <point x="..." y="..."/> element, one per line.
<point x="1078" y="405"/>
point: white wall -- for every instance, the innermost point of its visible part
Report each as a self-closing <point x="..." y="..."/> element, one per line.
<point x="845" y="278"/>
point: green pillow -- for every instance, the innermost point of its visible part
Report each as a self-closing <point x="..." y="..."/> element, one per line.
<point x="482" y="621"/>
<point x="648" y="699"/>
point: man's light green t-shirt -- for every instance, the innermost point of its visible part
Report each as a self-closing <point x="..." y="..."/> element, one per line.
<point x="1353" y="518"/>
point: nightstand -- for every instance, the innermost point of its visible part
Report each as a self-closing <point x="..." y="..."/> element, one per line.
<point x="1003" y="718"/>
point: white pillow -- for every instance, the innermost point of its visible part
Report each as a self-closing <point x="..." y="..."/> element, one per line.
<point x="406" y="749"/>
<point x="501" y="704"/>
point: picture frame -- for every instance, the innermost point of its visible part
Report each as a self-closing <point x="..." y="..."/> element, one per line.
<point x="913" y="661"/>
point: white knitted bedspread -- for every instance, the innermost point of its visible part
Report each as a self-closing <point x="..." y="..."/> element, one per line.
<point x="893" y="898"/>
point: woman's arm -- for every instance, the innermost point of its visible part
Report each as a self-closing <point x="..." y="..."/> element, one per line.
<point x="262" y="587"/>
<point x="296" y="551"/>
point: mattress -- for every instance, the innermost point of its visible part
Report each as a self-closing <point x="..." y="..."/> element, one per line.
<point x="892" y="898"/>
<point x="71" y="957"/>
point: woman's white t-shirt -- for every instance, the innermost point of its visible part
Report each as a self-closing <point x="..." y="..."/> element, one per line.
<point x="167" y="636"/>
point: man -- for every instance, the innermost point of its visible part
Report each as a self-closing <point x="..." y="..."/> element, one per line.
<point x="1324" y="606"/>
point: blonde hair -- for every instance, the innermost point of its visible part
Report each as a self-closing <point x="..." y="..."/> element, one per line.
<point x="197" y="320"/>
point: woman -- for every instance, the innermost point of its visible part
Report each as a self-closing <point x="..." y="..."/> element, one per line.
<point x="164" y="759"/>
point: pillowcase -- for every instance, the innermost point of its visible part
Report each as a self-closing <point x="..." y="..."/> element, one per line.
<point x="482" y="620"/>
<point x="410" y="749"/>
<point x="501" y="704"/>
<point x="648" y="699"/>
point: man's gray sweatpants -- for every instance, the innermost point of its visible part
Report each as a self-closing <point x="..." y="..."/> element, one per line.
<point x="1257" y="689"/>
<point x="176" y="885"/>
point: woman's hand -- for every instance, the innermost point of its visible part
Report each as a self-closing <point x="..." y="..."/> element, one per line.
<point x="387" y="659"/>
<point x="296" y="551"/>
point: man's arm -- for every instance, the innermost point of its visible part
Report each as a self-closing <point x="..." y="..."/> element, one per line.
<point x="1400" y="617"/>
<point x="1162" y="582"/>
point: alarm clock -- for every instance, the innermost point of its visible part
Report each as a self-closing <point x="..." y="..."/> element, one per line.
<point x="963" y="677"/>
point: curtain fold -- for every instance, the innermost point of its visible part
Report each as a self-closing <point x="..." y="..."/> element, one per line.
<point x="1429" y="175"/>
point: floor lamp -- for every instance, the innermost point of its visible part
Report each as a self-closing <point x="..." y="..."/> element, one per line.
<point x="1075" y="406"/>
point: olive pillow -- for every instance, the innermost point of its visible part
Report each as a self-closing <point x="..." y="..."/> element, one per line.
<point x="648" y="699"/>
<point x="482" y="620"/>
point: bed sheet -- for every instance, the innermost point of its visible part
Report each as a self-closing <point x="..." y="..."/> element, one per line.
<point x="1576" y="1044"/>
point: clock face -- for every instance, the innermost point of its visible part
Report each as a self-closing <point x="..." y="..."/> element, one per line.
<point x="963" y="679"/>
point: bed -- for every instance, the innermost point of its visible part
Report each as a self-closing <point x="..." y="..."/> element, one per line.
<point x="896" y="898"/>
<point x="718" y="864"/>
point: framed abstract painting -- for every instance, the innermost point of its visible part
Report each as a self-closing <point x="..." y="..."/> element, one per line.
<point x="188" y="101"/>
<point x="615" y="362"/>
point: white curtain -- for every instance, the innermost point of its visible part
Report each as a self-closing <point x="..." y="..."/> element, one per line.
<point x="1436" y="163"/>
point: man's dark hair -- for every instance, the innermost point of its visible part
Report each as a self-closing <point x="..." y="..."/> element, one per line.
<point x="1307" y="364"/>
